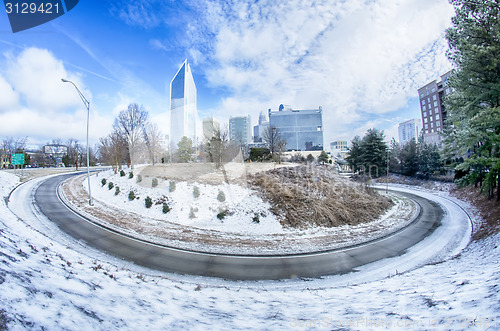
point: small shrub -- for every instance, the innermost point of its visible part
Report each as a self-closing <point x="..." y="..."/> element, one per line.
<point x="196" y="192"/>
<point x="221" y="196"/>
<point x="192" y="212"/>
<point x="165" y="209"/>
<point x="222" y="214"/>
<point x="139" y="178"/>
<point x="131" y="195"/>
<point x="148" y="202"/>
<point x="130" y="175"/>
<point x="256" y="218"/>
<point x="110" y="185"/>
<point x="103" y="181"/>
<point x="117" y="190"/>
<point x="171" y="186"/>
<point x="154" y="182"/>
<point x="122" y="173"/>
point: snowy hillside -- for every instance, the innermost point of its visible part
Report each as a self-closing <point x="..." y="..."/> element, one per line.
<point x="50" y="281"/>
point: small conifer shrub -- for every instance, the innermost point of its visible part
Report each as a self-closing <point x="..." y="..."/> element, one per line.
<point x="221" y="196"/>
<point x="148" y="202"/>
<point x="131" y="195"/>
<point x="165" y="209"/>
<point x="222" y="214"/>
<point x="122" y="173"/>
<point x="117" y="190"/>
<point x="196" y="192"/>
<point x="139" y="178"/>
<point x="171" y="186"/>
<point x="154" y="182"/>
<point x="110" y="185"/>
<point x="103" y="181"/>
<point x="130" y="175"/>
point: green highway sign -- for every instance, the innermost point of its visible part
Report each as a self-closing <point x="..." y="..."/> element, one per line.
<point x="18" y="159"/>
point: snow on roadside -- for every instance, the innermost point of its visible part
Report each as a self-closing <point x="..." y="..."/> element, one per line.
<point x="59" y="284"/>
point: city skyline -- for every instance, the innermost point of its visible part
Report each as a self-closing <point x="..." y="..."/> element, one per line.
<point x="362" y="61"/>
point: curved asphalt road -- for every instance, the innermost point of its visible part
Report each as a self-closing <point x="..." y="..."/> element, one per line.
<point x="236" y="267"/>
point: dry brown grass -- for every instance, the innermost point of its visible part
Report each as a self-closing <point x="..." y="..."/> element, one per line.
<point x="304" y="196"/>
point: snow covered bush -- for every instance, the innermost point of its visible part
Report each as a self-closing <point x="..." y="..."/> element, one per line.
<point x="131" y="195"/>
<point x="171" y="186"/>
<point x="139" y="178"/>
<point x="148" y="202"/>
<point x="222" y="214"/>
<point x="221" y="196"/>
<point x="154" y="182"/>
<point x="103" y="181"/>
<point x="110" y="185"/>
<point x="192" y="212"/>
<point x="117" y="190"/>
<point x="165" y="209"/>
<point x="122" y="173"/>
<point x="130" y="175"/>
<point x="196" y="192"/>
<point x="256" y="218"/>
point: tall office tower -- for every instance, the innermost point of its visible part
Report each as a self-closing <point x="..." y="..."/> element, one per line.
<point x="183" y="111"/>
<point x="302" y="129"/>
<point x="210" y="126"/>
<point x="409" y="130"/>
<point x="258" y="130"/>
<point x="432" y="109"/>
<point x="240" y="130"/>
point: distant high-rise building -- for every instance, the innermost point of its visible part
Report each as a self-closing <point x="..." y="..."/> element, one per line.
<point x="409" y="130"/>
<point x="339" y="148"/>
<point x="302" y="129"/>
<point x="432" y="109"/>
<point x="183" y="111"/>
<point x="258" y="130"/>
<point x="210" y="126"/>
<point x="240" y="130"/>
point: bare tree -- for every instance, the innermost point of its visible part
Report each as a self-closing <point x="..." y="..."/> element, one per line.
<point x="113" y="149"/>
<point x="219" y="147"/>
<point x="276" y="144"/>
<point x="156" y="142"/>
<point x="129" y="124"/>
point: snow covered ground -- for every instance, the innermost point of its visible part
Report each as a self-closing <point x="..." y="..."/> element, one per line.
<point x="50" y="281"/>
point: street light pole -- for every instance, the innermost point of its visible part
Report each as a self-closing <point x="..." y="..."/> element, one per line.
<point x="87" y="105"/>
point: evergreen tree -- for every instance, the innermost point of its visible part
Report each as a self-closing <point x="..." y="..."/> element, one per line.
<point x="374" y="153"/>
<point x="185" y="149"/>
<point x="369" y="155"/>
<point x="473" y="109"/>
<point x="354" y="157"/>
<point x="409" y="158"/>
<point x="323" y="157"/>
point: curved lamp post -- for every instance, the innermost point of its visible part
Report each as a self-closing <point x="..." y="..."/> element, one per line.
<point x="87" y="105"/>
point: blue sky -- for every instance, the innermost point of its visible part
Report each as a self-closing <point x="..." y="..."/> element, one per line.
<point x="361" y="60"/>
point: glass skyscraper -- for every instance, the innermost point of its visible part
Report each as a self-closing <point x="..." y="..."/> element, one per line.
<point x="183" y="111"/>
<point x="240" y="130"/>
<point x="302" y="129"/>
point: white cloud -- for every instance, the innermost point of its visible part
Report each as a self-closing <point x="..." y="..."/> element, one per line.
<point x="352" y="57"/>
<point x="34" y="102"/>
<point x="8" y="97"/>
<point x="36" y="75"/>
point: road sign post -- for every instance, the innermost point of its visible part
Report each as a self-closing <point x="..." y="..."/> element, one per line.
<point x="18" y="159"/>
